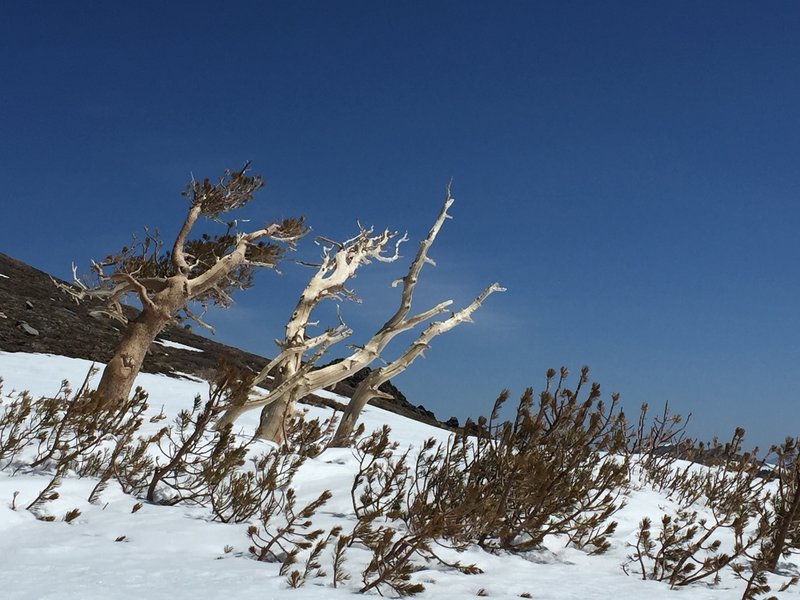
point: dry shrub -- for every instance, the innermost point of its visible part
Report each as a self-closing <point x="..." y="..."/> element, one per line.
<point x="556" y="469"/>
<point x="726" y="500"/>
<point x="69" y="433"/>
<point x="501" y="486"/>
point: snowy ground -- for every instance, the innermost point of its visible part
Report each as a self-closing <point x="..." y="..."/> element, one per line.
<point x="168" y="344"/>
<point x="176" y="553"/>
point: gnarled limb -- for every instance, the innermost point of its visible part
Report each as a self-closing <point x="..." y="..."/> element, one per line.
<point x="369" y="387"/>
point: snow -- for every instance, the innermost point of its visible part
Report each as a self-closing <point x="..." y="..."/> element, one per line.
<point x="176" y="553"/>
<point x="169" y="344"/>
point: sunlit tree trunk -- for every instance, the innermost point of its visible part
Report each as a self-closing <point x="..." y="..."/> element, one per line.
<point x="123" y="368"/>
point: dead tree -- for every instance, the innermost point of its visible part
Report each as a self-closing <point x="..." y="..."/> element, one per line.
<point x="295" y="376"/>
<point x="339" y="264"/>
<point x="369" y="387"/>
<point x="203" y="271"/>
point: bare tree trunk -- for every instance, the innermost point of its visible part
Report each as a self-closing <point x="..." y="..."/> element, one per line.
<point x="347" y="424"/>
<point x="298" y="383"/>
<point x="273" y="417"/>
<point x="328" y="282"/>
<point x="121" y="371"/>
<point x="123" y="368"/>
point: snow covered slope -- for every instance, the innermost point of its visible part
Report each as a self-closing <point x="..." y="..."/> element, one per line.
<point x="176" y="553"/>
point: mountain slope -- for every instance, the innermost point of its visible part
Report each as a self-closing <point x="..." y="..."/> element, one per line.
<point x="35" y="316"/>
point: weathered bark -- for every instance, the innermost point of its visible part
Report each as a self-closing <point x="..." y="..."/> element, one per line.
<point x="273" y="419"/>
<point x="281" y="401"/>
<point x="273" y="416"/>
<point x="369" y="387"/>
<point x="347" y="424"/>
<point x="121" y="372"/>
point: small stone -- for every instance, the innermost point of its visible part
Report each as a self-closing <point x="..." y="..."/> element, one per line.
<point x="27" y="328"/>
<point x="28" y="304"/>
<point x="3" y="315"/>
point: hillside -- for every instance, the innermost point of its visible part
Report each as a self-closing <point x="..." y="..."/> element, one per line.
<point x="35" y="316"/>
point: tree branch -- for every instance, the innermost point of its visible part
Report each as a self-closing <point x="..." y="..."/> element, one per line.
<point x="207" y="280"/>
<point x="369" y="387"/>
<point x="199" y="319"/>
<point x="410" y="280"/>
<point x="327" y="339"/>
<point x="136" y="286"/>
<point x="178" y="256"/>
<point x="434" y="329"/>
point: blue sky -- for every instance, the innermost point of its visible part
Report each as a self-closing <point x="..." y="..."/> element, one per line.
<point x="628" y="170"/>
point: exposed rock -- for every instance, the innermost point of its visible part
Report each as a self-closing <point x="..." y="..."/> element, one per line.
<point x="27" y="328"/>
<point x="452" y="422"/>
<point x="425" y="411"/>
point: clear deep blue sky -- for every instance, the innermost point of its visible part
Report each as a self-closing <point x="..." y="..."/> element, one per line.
<point x="629" y="170"/>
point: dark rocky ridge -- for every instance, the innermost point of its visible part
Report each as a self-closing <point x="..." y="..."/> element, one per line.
<point x="35" y="316"/>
